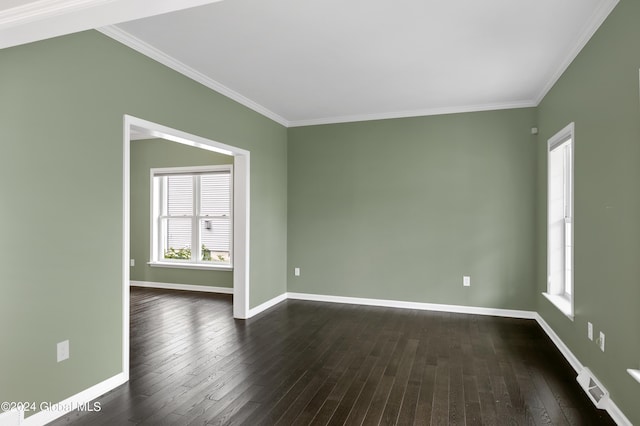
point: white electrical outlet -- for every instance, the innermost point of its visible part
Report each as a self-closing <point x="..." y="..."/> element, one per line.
<point x="590" y="331"/>
<point x="296" y="272"/>
<point x="63" y="350"/>
<point x="132" y="262"/>
<point x="601" y="341"/>
<point x="466" y="281"/>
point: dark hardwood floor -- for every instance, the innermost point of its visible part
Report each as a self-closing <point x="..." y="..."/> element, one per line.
<point x="310" y="363"/>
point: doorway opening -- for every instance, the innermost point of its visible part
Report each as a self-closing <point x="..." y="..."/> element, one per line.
<point x="135" y="127"/>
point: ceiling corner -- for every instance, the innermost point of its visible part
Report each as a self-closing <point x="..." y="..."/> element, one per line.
<point x="157" y="55"/>
<point x="590" y="28"/>
<point x="43" y="9"/>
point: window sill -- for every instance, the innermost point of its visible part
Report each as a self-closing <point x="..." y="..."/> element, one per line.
<point x="190" y="266"/>
<point x="634" y="373"/>
<point x="562" y="303"/>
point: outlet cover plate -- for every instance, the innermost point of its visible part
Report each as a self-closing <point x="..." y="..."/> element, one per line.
<point x="63" y="351"/>
<point x="601" y="341"/>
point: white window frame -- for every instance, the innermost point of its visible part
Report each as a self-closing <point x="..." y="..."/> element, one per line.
<point x="156" y="251"/>
<point x="556" y="293"/>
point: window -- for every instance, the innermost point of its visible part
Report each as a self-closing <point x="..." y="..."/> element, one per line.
<point x="191" y="217"/>
<point x="560" y="220"/>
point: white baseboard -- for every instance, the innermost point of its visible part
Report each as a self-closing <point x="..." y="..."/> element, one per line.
<point x="414" y="305"/>
<point x="186" y="287"/>
<point x="74" y="402"/>
<point x="10" y="418"/>
<point x="613" y="410"/>
<point x="44" y="417"/>
<point x="569" y="356"/>
<point x="266" y="305"/>
<point x="616" y="414"/>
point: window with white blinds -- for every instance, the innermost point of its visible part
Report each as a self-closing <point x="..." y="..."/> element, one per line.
<point x="560" y="157"/>
<point x="192" y="215"/>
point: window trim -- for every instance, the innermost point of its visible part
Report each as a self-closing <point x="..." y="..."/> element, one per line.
<point x="155" y="250"/>
<point x="184" y="265"/>
<point x="564" y="302"/>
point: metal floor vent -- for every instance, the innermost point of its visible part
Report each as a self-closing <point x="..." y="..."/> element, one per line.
<point x="593" y="388"/>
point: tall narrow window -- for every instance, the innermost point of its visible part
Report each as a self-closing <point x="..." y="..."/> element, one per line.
<point x="560" y="220"/>
<point x="192" y="216"/>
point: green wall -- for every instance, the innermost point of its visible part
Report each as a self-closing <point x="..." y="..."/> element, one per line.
<point x="392" y="209"/>
<point x="599" y="92"/>
<point x="62" y="103"/>
<point x="145" y="155"/>
<point x="402" y="209"/>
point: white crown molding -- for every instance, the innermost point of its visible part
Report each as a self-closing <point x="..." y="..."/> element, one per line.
<point x="146" y="49"/>
<point x="44" y="9"/>
<point x="116" y="33"/>
<point x="590" y="28"/>
<point x="412" y="113"/>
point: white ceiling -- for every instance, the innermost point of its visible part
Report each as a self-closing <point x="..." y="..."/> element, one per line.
<point x="307" y="62"/>
<point x="303" y="62"/>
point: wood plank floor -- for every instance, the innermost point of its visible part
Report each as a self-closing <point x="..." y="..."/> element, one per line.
<point x="310" y="363"/>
